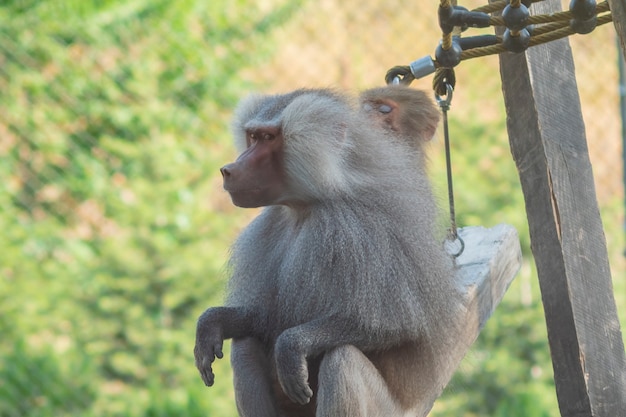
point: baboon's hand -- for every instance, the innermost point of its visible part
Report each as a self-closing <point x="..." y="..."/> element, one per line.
<point x="209" y="341"/>
<point x="293" y="372"/>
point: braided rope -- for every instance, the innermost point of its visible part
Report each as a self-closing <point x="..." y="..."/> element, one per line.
<point x="558" y="30"/>
<point x="550" y="27"/>
<point x="446" y="37"/>
<point x="563" y="16"/>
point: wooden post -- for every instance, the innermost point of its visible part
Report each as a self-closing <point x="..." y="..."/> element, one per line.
<point x="548" y="143"/>
<point x="618" y="10"/>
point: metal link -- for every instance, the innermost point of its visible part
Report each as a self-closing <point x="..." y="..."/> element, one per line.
<point x="444" y="102"/>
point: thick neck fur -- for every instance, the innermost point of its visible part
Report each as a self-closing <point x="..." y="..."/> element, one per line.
<point x="349" y="253"/>
<point x="359" y="240"/>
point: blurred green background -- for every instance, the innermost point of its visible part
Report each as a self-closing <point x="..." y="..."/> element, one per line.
<point x="115" y="230"/>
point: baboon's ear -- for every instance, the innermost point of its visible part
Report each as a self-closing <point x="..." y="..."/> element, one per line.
<point x="401" y="110"/>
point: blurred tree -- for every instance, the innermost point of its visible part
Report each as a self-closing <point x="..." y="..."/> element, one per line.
<point x="114" y="226"/>
<point x="112" y="121"/>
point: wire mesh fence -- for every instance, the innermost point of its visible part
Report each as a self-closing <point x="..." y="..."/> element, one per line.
<point x="113" y="121"/>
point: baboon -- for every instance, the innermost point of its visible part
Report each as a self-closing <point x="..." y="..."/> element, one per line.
<point x="341" y="300"/>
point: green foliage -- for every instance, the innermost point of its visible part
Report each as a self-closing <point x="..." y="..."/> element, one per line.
<point x="486" y="184"/>
<point x="113" y="116"/>
<point x="44" y="383"/>
<point x="113" y="120"/>
<point x="508" y="371"/>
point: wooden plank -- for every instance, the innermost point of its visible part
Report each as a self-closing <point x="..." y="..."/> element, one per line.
<point x="486" y="268"/>
<point x="618" y="11"/>
<point x="548" y="142"/>
<point x="484" y="271"/>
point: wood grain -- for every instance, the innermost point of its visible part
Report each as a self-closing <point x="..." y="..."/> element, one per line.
<point x="548" y="142"/>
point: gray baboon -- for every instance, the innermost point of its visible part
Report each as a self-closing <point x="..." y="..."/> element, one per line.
<point x="341" y="300"/>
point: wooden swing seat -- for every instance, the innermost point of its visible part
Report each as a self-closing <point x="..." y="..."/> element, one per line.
<point x="485" y="269"/>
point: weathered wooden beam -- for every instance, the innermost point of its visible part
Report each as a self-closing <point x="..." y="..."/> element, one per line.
<point x="484" y="271"/>
<point x="547" y="138"/>
<point x="491" y="259"/>
<point x="618" y="11"/>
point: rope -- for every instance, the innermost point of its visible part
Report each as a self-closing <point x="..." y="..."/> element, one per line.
<point x="446" y="36"/>
<point x="442" y="78"/>
<point x="516" y="38"/>
<point x="446" y="41"/>
<point x="564" y="16"/>
<point x="450" y="53"/>
<point x="557" y="31"/>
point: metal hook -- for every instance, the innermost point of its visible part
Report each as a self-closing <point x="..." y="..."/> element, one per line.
<point x="444" y="103"/>
<point x="449" y="242"/>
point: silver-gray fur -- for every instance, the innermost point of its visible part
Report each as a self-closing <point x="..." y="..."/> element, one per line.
<point x="344" y="296"/>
